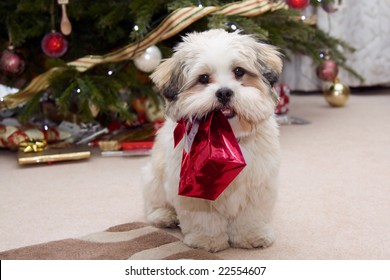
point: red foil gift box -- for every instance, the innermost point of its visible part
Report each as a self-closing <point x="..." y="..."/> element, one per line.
<point x="211" y="159"/>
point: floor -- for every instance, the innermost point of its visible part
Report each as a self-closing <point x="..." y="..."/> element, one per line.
<point x="334" y="198"/>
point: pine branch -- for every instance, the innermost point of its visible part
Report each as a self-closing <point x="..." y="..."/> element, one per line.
<point x="143" y="11"/>
<point x="30" y="109"/>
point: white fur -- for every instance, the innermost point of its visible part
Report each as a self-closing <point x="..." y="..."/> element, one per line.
<point x="241" y="215"/>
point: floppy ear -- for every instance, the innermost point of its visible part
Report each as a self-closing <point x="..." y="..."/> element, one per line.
<point x="270" y="62"/>
<point x="168" y="78"/>
<point x="271" y="77"/>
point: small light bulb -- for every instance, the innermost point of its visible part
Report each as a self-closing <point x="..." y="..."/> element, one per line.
<point x="135" y="28"/>
<point x="109" y="72"/>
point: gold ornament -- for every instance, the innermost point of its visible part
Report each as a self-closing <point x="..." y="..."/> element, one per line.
<point x="337" y="94"/>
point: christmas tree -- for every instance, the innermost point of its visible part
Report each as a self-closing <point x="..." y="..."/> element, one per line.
<point x="92" y="58"/>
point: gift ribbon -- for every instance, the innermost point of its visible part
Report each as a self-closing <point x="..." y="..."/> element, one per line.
<point x="188" y="129"/>
<point x="32" y="145"/>
<point x="173" y="24"/>
<point x="179" y="132"/>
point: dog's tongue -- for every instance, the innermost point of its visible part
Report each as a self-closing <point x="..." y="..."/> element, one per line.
<point x="228" y="113"/>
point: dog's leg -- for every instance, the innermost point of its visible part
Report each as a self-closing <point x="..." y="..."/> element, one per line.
<point x="257" y="234"/>
<point x="251" y="228"/>
<point x="158" y="211"/>
<point x="202" y="226"/>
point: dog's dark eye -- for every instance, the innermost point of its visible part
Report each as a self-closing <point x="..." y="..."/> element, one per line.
<point x="239" y="72"/>
<point x="204" y="79"/>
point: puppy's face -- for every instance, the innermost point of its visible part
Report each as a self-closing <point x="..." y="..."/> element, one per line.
<point x="217" y="70"/>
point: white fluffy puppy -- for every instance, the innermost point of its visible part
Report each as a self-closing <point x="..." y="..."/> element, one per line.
<point x="232" y="72"/>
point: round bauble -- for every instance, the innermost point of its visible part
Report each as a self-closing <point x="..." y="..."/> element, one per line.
<point x="298" y="4"/>
<point x="54" y="44"/>
<point x="327" y="70"/>
<point x="337" y="94"/>
<point x="149" y="60"/>
<point x="283" y="93"/>
<point x="12" y="62"/>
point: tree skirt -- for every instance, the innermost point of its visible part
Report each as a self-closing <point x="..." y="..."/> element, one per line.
<point x="137" y="241"/>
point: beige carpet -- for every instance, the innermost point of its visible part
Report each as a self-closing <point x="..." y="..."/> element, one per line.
<point x="334" y="200"/>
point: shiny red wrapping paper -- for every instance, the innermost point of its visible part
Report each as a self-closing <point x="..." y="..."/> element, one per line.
<point x="211" y="159"/>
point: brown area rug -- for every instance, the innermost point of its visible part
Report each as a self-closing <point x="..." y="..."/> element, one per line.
<point x="138" y="241"/>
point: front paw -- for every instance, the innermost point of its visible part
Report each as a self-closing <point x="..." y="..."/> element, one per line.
<point x="211" y="244"/>
<point x="253" y="239"/>
<point x="163" y="217"/>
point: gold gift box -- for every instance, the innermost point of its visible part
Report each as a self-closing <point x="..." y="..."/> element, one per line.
<point x="53" y="155"/>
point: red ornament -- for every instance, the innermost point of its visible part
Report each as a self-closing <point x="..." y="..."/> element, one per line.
<point x="283" y="92"/>
<point x="328" y="70"/>
<point x="12" y="62"/>
<point x="298" y="4"/>
<point x="54" y="44"/>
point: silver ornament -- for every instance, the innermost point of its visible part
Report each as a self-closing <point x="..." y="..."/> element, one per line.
<point x="149" y="60"/>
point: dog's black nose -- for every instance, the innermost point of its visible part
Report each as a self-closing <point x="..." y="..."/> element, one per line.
<point x="224" y="95"/>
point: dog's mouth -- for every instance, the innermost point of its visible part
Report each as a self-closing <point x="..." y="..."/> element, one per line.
<point x="228" y="113"/>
